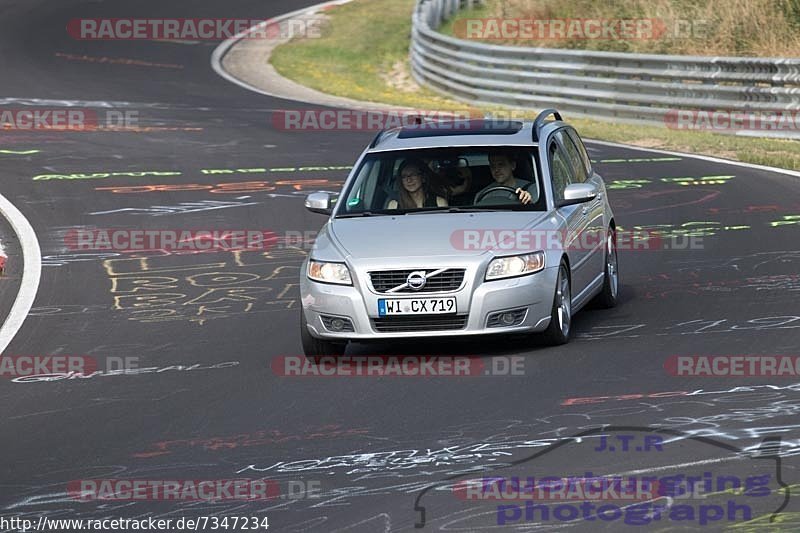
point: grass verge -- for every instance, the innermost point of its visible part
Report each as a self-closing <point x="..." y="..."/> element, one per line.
<point x="762" y="28"/>
<point x="364" y="55"/>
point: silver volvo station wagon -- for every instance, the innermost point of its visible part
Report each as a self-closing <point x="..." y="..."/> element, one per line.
<point x="460" y="228"/>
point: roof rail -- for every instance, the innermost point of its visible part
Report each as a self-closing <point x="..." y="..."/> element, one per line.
<point x="377" y="139"/>
<point x="538" y="122"/>
<point x="416" y="120"/>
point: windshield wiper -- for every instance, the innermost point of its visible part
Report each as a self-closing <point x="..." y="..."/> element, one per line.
<point x="477" y="209"/>
<point x="448" y="210"/>
<point x="365" y="214"/>
<point x="355" y="215"/>
<point x="472" y="209"/>
<point x="426" y="210"/>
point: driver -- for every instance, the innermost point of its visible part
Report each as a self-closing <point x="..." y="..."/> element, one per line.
<point x="502" y="167"/>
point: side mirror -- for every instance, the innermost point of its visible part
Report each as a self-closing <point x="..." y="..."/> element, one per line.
<point x="578" y="193"/>
<point x="320" y="202"/>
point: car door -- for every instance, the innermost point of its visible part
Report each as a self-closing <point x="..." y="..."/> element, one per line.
<point x="561" y="175"/>
<point x="594" y="209"/>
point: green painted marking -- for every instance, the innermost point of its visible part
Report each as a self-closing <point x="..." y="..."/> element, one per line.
<point x="276" y="169"/>
<point x="628" y="184"/>
<point x="19" y="152"/>
<point x="226" y="171"/>
<point x="640" y="160"/>
<point x="787" y="221"/>
<point x="697" y="179"/>
<point x="103" y="175"/>
<point x="215" y="171"/>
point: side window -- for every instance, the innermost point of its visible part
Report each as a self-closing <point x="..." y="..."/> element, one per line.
<point x="581" y="149"/>
<point x="363" y="191"/>
<point x="575" y="159"/>
<point x="561" y="173"/>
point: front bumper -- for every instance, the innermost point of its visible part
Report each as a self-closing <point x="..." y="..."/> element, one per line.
<point x="477" y="300"/>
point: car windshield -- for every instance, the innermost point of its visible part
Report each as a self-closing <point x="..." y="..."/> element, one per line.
<point x="444" y="180"/>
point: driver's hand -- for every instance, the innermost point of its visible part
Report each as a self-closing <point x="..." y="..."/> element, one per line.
<point x="524" y="196"/>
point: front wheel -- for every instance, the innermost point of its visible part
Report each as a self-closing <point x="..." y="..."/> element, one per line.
<point x="316" y="347"/>
<point x="561" y="314"/>
<point x="609" y="296"/>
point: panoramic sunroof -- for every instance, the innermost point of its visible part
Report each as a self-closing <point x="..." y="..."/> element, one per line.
<point x="461" y="127"/>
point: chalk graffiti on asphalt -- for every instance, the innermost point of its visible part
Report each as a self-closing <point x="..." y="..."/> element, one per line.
<point x="254" y="438"/>
<point x="180" y="209"/>
<point x="692" y="327"/>
<point x="297" y="186"/>
<point x="162" y="288"/>
<point x="72" y="375"/>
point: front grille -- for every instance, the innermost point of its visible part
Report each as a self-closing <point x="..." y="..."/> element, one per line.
<point x="395" y="324"/>
<point x="447" y="281"/>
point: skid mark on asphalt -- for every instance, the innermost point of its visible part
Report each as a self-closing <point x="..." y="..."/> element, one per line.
<point x="116" y="61"/>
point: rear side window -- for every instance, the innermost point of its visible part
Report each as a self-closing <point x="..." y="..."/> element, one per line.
<point x="575" y="159"/>
<point x="581" y="150"/>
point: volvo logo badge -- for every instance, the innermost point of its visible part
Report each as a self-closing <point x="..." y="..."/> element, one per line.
<point x="417" y="280"/>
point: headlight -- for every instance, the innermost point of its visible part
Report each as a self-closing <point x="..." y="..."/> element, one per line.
<point x="329" y="272"/>
<point x="515" y="265"/>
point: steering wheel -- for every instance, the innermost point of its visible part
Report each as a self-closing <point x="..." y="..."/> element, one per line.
<point x="512" y="192"/>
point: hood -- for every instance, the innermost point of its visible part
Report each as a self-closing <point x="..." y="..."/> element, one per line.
<point x="423" y="235"/>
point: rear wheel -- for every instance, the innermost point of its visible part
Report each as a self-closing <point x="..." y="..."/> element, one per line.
<point x="561" y="314"/>
<point x="315" y="347"/>
<point x="609" y="296"/>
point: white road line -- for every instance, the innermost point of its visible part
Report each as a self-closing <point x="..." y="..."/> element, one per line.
<point x="700" y="157"/>
<point x="31" y="272"/>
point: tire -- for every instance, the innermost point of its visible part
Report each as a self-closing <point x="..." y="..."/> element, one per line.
<point x="561" y="314"/>
<point x="609" y="296"/>
<point x="313" y="347"/>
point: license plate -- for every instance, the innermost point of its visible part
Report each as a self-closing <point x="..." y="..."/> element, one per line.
<point x="416" y="306"/>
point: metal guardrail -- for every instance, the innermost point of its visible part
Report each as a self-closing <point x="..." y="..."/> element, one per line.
<point x="623" y="87"/>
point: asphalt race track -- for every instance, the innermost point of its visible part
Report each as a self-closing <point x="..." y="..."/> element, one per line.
<point x="374" y="447"/>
